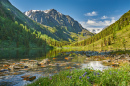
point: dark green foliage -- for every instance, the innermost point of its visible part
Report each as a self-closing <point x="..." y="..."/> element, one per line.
<point x="13" y="32"/>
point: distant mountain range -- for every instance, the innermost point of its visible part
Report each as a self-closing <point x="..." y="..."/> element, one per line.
<point x="54" y="18"/>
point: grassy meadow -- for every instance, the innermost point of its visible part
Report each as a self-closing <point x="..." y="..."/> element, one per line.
<point x="88" y="77"/>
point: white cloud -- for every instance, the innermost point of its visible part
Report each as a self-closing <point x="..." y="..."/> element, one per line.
<point x="91" y="14"/>
<point x="104" y="17"/>
<point x="113" y="18"/>
<point x="97" y="25"/>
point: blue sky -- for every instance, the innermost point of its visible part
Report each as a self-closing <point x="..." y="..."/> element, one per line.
<point x="92" y="14"/>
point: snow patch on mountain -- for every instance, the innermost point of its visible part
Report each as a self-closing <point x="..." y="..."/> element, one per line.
<point x="46" y="11"/>
<point x="35" y="10"/>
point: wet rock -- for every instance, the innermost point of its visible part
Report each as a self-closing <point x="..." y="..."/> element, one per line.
<point x="28" y="77"/>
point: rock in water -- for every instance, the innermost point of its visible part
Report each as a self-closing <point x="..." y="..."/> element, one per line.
<point x="28" y="77"/>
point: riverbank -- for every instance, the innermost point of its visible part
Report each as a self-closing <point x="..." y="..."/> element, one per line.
<point x="30" y="65"/>
<point x="88" y="77"/>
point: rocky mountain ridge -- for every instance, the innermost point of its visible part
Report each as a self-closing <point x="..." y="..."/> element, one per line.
<point x="54" y="18"/>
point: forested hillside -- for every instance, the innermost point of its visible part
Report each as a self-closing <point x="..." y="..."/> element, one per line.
<point x="15" y="35"/>
<point x="110" y="34"/>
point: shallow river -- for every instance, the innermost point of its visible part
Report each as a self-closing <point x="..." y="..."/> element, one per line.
<point x="14" y="64"/>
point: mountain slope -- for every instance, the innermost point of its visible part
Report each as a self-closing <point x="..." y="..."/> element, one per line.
<point x="113" y="35"/>
<point x="56" y="19"/>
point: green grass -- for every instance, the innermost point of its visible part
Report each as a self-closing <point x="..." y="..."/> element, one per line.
<point x="88" y="77"/>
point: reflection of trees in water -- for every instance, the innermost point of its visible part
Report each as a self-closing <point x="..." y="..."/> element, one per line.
<point x="22" y="54"/>
<point x="38" y="54"/>
<point x="27" y="53"/>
